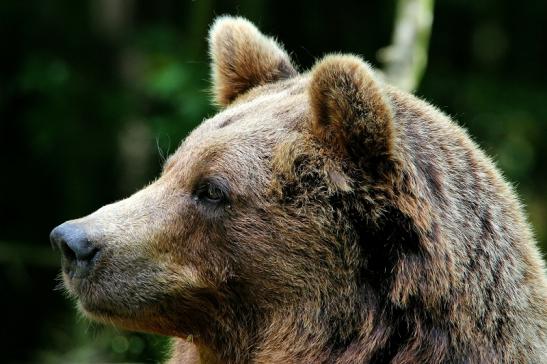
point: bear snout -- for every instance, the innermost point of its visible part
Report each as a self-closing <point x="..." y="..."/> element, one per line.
<point x="77" y="251"/>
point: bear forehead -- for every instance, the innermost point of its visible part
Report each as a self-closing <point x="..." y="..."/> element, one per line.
<point x="271" y="106"/>
<point x="238" y="139"/>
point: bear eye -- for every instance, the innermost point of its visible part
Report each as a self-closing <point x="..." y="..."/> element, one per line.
<point x="210" y="192"/>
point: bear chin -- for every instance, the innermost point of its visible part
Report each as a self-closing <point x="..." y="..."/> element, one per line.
<point x="105" y="301"/>
<point x="142" y="320"/>
<point x="96" y="302"/>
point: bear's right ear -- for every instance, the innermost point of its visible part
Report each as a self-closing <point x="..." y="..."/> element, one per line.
<point x="243" y="58"/>
<point x="350" y="112"/>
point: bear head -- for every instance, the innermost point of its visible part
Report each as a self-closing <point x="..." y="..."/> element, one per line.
<point x="297" y="221"/>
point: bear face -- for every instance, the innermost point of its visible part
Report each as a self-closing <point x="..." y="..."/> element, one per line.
<point x="205" y="221"/>
<point x="318" y="217"/>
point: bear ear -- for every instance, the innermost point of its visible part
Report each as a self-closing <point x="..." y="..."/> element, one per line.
<point x="243" y="58"/>
<point x="350" y="112"/>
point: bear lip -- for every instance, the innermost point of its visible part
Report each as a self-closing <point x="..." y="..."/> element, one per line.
<point x="89" y="304"/>
<point x="96" y="310"/>
<point x="73" y="284"/>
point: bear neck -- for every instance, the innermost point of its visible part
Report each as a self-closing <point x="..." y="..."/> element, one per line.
<point x="306" y="331"/>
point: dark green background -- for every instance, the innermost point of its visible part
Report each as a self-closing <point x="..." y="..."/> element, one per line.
<point x="93" y="95"/>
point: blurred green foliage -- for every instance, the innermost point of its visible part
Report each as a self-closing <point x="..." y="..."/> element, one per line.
<point x="94" y="94"/>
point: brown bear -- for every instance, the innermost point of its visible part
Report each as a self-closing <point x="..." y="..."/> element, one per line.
<point x="319" y="217"/>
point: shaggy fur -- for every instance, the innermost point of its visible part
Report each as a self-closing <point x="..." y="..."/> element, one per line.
<point x="320" y="218"/>
<point x="244" y="58"/>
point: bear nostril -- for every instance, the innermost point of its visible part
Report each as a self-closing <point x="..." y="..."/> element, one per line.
<point x="66" y="251"/>
<point x="76" y="249"/>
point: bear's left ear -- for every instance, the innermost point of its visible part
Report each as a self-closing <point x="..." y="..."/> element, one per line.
<point x="350" y="111"/>
<point x="243" y="58"/>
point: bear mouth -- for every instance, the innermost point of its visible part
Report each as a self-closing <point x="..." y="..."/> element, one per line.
<point x="92" y="300"/>
<point x="94" y="305"/>
<point x="78" y="288"/>
<point x="110" y="294"/>
<point x="103" y="312"/>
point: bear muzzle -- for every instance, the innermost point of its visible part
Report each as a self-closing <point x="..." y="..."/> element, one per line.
<point x="78" y="253"/>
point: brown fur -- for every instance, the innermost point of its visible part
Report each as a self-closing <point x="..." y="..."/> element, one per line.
<point x="359" y="225"/>
<point x="244" y="58"/>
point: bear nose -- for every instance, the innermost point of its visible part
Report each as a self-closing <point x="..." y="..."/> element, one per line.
<point x="78" y="253"/>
